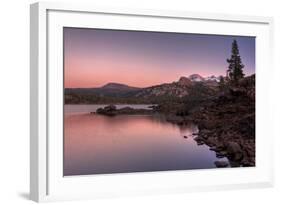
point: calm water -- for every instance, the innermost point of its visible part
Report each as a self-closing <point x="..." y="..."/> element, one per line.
<point x="96" y="144"/>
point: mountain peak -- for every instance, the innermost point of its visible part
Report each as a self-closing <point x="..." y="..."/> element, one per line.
<point x="184" y="81"/>
<point x="196" y="77"/>
<point x="118" y="86"/>
<point x="113" y="85"/>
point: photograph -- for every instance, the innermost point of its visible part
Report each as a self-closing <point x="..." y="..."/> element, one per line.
<point x="147" y="101"/>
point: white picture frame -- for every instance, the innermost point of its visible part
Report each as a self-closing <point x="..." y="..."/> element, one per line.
<point x="46" y="23"/>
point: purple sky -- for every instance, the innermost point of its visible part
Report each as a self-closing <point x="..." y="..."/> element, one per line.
<point x="94" y="57"/>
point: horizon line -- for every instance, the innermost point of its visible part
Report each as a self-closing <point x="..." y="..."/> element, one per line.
<point x="91" y="87"/>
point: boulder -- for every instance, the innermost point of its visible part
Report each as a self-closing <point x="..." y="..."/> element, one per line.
<point x="221" y="164"/>
<point x="200" y="143"/>
<point x="109" y="110"/>
<point x="234" y="151"/>
<point x="198" y="139"/>
<point x="213" y="148"/>
<point x="221" y="154"/>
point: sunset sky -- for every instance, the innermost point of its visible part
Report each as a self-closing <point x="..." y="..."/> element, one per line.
<point x="94" y="57"/>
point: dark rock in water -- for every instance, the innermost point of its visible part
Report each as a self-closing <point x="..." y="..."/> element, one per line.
<point x="221" y="154"/>
<point x="213" y="148"/>
<point x="111" y="110"/>
<point x="132" y="111"/>
<point x="152" y="106"/>
<point x="198" y="139"/>
<point x="220" y="147"/>
<point x="221" y="164"/>
<point x="234" y="150"/>
<point x="107" y="110"/>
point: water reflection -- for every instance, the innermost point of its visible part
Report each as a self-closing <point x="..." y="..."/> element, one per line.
<point x="96" y="144"/>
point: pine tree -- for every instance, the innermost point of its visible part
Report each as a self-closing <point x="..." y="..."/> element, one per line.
<point x="235" y="67"/>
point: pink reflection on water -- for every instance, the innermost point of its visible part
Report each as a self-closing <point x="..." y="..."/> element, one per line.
<point x="95" y="144"/>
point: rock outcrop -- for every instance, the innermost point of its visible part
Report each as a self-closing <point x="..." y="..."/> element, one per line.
<point x="184" y="81"/>
<point x="112" y="110"/>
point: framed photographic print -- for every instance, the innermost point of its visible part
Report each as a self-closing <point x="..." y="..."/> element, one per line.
<point x="127" y="102"/>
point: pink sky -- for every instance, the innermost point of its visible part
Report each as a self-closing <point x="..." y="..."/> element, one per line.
<point x="122" y="72"/>
<point x="95" y="57"/>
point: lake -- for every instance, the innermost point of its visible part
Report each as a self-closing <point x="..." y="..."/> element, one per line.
<point x="97" y="144"/>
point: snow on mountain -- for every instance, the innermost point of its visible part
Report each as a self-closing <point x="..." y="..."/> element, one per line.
<point x="213" y="78"/>
<point x="199" y="78"/>
<point x="196" y="78"/>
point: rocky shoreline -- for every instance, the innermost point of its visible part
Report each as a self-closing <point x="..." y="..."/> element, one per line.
<point x="227" y="125"/>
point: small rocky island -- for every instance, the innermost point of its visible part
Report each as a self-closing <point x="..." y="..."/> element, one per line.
<point x="111" y="110"/>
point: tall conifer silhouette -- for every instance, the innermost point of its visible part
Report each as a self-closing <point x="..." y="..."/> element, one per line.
<point x="235" y="67"/>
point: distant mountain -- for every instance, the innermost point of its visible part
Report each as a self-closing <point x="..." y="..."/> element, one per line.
<point x="118" y="86"/>
<point x="184" y="87"/>
<point x="110" y="89"/>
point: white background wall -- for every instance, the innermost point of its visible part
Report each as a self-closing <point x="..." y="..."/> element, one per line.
<point x="14" y="101"/>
